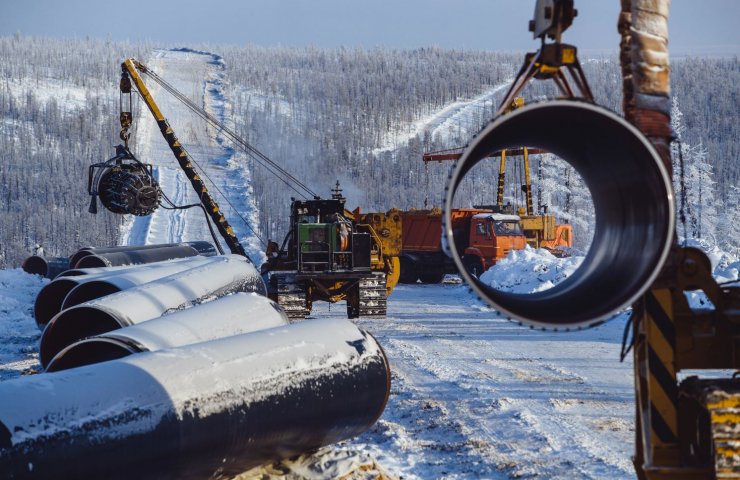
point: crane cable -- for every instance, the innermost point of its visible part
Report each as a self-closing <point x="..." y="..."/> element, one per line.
<point x="223" y="195"/>
<point x="261" y="158"/>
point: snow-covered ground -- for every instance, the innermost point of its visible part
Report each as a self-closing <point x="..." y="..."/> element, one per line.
<point x="476" y="396"/>
<point x="459" y="118"/>
<point x="473" y="395"/>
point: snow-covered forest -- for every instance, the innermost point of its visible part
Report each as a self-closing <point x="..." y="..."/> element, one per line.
<point x="361" y="116"/>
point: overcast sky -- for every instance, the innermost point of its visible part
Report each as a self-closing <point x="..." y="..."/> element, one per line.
<point x="696" y="26"/>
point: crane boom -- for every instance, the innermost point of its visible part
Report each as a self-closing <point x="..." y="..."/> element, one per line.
<point x="130" y="69"/>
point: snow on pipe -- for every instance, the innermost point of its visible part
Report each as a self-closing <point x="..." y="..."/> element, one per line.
<point x="231" y="315"/>
<point x="51" y="297"/>
<point x="203" y="247"/>
<point x="136" y="257"/>
<point x="633" y="203"/>
<point x="219" y="277"/>
<point x="48" y="267"/>
<point x="93" y="288"/>
<point x="212" y="409"/>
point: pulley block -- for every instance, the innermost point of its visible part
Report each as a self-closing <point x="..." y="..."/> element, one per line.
<point x="124" y="185"/>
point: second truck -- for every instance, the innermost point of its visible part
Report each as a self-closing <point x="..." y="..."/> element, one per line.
<point x="482" y="238"/>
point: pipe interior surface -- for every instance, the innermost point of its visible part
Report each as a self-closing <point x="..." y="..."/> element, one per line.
<point x="88" y="291"/>
<point x="74" y="324"/>
<point x="633" y="204"/>
<point x="50" y="298"/>
<point x="89" y="351"/>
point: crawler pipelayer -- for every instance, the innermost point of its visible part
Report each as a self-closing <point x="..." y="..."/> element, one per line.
<point x="329" y="254"/>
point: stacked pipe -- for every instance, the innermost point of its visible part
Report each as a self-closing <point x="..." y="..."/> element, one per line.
<point x="87" y="257"/>
<point x="51" y="298"/>
<point x="186" y="367"/>
<point x="210" y="409"/>
<point x="221" y="276"/>
<point x="115" y="256"/>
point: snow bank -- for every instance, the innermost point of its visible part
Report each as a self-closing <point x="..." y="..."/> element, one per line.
<point x="529" y="271"/>
<point x="18" y="331"/>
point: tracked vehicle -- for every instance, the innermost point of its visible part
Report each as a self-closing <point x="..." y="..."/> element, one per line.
<point x="331" y="254"/>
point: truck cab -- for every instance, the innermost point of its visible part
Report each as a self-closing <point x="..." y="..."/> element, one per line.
<point x="492" y="237"/>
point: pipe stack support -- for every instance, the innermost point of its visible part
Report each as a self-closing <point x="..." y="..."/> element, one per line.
<point x="206" y="410"/>
<point x="219" y="277"/>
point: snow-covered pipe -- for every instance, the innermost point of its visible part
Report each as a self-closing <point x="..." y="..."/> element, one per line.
<point x="93" y="288"/>
<point x="203" y="248"/>
<point x="51" y="297"/>
<point x="213" y="409"/>
<point x="633" y="203"/>
<point x="48" y="267"/>
<point x="136" y="257"/>
<point x="219" y="277"/>
<point x="76" y="272"/>
<point x="231" y="315"/>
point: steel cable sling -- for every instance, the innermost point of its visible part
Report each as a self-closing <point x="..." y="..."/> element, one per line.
<point x="265" y="161"/>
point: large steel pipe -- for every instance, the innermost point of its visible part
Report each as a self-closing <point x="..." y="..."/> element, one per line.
<point x="222" y="276"/>
<point x="231" y="315"/>
<point x="51" y="297"/>
<point x="207" y="410"/>
<point x="633" y="202"/>
<point x="96" y="287"/>
<point x="48" y="267"/>
<point x="203" y="248"/>
<point x="136" y="257"/>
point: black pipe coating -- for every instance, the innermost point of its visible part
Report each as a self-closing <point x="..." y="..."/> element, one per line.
<point x="203" y="247"/>
<point x="213" y="409"/>
<point x="136" y="257"/>
<point x="48" y="267"/>
<point x="633" y="202"/>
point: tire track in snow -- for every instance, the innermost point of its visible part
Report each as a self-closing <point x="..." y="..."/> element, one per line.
<point x="462" y="115"/>
<point x="475" y="396"/>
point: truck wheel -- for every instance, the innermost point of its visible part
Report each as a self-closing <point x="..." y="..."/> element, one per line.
<point x="435" y="277"/>
<point x="408" y="271"/>
<point x="474" y="267"/>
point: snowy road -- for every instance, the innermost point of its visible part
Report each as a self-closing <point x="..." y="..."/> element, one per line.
<point x="475" y="396"/>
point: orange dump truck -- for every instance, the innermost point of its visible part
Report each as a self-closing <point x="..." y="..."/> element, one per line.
<point x="481" y="237"/>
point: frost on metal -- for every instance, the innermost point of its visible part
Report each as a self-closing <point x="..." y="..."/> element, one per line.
<point x="224" y="405"/>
